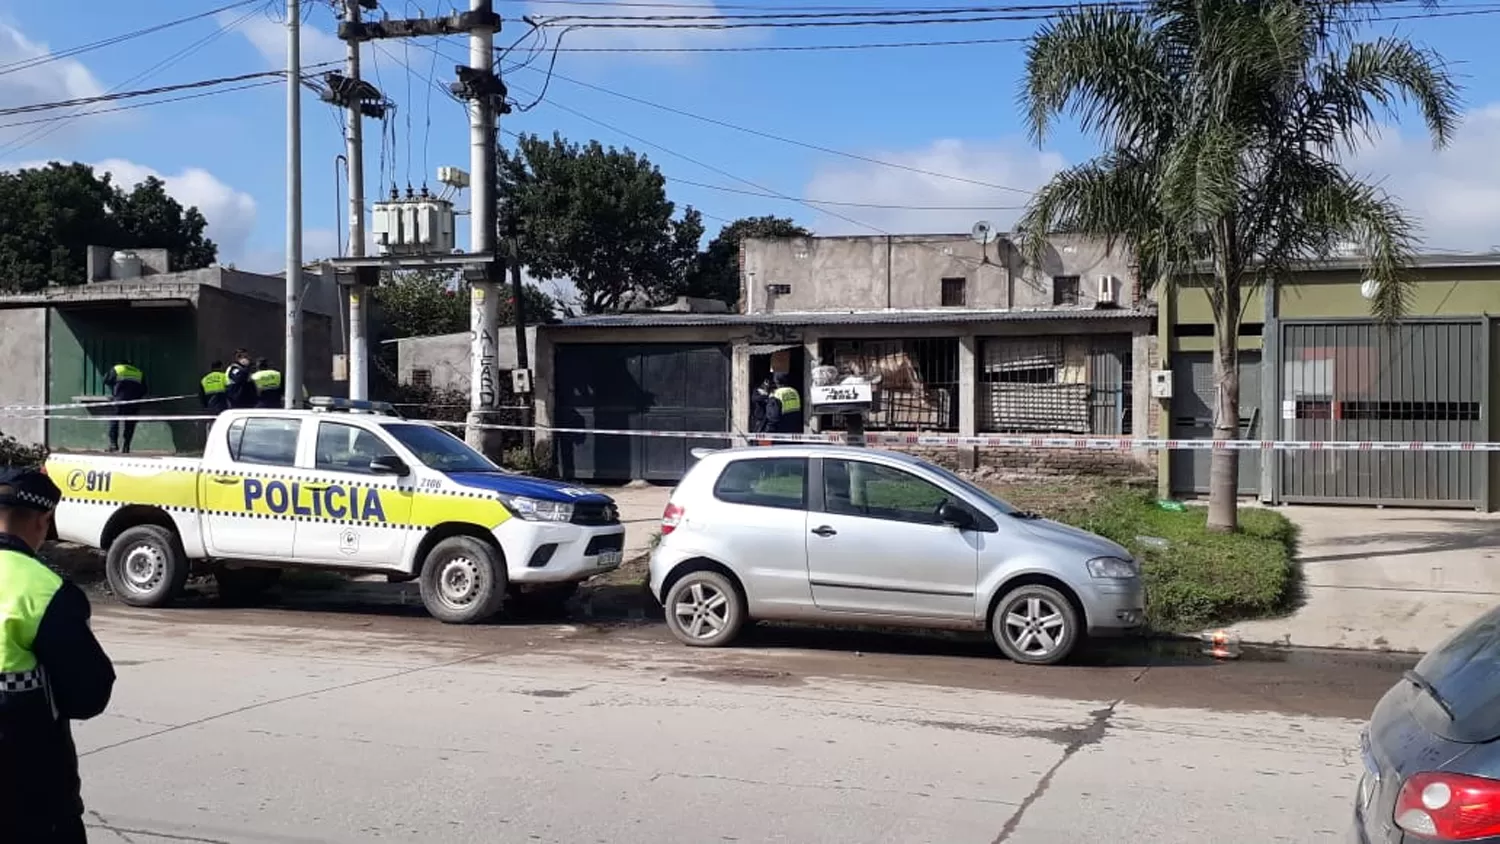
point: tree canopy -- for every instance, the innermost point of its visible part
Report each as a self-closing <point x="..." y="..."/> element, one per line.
<point x="599" y="217"/>
<point x="1224" y="126"/>
<point x="50" y="215"/>
<point x="421" y="303"/>
<point x="717" y="275"/>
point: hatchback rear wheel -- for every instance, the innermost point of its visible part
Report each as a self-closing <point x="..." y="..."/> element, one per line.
<point x="705" y="609"/>
<point x="1035" y="625"/>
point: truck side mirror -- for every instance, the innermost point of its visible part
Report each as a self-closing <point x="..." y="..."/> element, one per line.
<point x="390" y="465"/>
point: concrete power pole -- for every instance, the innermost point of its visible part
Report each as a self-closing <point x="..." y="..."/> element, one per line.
<point x="293" y="384"/>
<point x="484" y="304"/>
<point x="359" y="349"/>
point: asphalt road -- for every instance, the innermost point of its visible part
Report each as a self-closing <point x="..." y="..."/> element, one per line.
<point x="284" y="725"/>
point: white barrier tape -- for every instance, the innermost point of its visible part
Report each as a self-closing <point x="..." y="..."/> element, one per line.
<point x="894" y="438"/>
<point x="6" y="409"/>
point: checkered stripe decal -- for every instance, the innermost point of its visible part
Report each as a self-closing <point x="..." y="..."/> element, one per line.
<point x="12" y="682"/>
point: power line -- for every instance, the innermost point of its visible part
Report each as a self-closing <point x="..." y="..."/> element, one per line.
<point x="725" y="173"/>
<point x="145" y="92"/>
<point x="822" y="15"/>
<point x="41" y="132"/>
<point x="793" y="141"/>
<point x="52" y="56"/>
<point x="133" y="106"/>
<point x="844" y="204"/>
<point x="800" y="48"/>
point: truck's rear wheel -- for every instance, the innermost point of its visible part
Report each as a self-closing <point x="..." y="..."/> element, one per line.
<point x="463" y="580"/>
<point x="146" y="566"/>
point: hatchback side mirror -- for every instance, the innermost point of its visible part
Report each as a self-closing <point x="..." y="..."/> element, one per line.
<point x="956" y="515"/>
<point x="390" y="465"/>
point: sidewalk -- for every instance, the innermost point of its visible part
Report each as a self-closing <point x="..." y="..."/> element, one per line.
<point x="1387" y="579"/>
<point x="640" y="510"/>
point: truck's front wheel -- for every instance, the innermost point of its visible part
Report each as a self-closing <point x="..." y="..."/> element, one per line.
<point x="463" y="580"/>
<point x="146" y="566"/>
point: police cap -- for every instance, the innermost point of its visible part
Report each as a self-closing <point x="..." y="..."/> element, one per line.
<point x="28" y="489"/>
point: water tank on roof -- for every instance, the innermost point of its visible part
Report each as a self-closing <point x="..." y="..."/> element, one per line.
<point x="124" y="265"/>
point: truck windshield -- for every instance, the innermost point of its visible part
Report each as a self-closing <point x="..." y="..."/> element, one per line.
<point x="440" y="450"/>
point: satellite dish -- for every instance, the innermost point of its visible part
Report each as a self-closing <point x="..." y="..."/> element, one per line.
<point x="1369" y="288"/>
<point x="982" y="232"/>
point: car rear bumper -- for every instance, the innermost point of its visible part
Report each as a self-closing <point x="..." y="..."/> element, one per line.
<point x="553" y="552"/>
<point x="1114" y="607"/>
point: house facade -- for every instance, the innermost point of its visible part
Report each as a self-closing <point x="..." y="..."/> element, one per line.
<point x="967" y="338"/>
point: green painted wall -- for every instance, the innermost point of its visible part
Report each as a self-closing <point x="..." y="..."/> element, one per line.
<point x="85" y="342"/>
<point x="1462" y="291"/>
<point x="1494" y="411"/>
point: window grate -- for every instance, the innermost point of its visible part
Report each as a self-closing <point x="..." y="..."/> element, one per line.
<point x="918" y="384"/>
<point x="1065" y="290"/>
<point x="1073" y="385"/>
<point x="955" y="292"/>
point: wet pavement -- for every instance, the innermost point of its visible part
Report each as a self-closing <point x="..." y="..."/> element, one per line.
<point x="348" y="722"/>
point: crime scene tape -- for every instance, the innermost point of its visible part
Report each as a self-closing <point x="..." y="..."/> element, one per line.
<point x="101" y="403"/>
<point x="910" y="439"/>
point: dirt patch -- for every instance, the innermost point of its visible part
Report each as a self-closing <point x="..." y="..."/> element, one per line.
<point x="80" y="563"/>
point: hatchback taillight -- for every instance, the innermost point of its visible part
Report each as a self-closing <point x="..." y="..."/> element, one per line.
<point x="671" y="518"/>
<point x="1449" y="807"/>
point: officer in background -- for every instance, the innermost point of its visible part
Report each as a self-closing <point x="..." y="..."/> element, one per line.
<point x="784" y="407"/>
<point x="126" y="383"/>
<point x="267" y="385"/>
<point x="241" y="390"/>
<point x="213" y="389"/>
<point x="52" y="672"/>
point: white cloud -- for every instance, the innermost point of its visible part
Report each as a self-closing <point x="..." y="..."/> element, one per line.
<point x="230" y="213"/>
<point x="1455" y="193"/>
<point x="661" y="36"/>
<point x="269" y="39"/>
<point x="50" y="81"/>
<point x="1008" y="163"/>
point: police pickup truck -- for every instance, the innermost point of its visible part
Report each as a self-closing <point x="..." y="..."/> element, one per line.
<point x="346" y="486"/>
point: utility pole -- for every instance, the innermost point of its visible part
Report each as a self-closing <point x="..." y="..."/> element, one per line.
<point x="293" y="385"/>
<point x="359" y="350"/>
<point x="484" y="303"/>
<point x="518" y="311"/>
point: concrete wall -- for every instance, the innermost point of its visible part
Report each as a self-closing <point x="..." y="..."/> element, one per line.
<point x="227" y="321"/>
<point x="446" y="356"/>
<point x="23" y="379"/>
<point x="907" y="272"/>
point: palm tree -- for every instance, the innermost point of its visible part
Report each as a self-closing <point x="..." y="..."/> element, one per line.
<point x="1224" y="125"/>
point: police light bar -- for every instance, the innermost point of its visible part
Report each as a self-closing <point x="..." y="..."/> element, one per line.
<point x="351" y="405"/>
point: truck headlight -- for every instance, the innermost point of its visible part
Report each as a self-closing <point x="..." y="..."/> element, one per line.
<point x="536" y="510"/>
<point x="1112" y="568"/>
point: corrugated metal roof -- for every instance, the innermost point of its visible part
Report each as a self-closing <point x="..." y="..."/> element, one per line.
<point x="913" y="317"/>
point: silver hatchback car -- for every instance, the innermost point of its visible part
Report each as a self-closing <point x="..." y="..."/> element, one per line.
<point x="832" y="534"/>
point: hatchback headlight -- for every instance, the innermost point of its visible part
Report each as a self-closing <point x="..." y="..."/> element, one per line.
<point x="536" y="510"/>
<point x="1112" y="568"/>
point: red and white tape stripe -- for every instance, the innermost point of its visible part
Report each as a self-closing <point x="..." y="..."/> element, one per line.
<point x="914" y="439"/>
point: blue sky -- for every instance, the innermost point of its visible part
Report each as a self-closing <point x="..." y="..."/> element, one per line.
<point x="944" y="109"/>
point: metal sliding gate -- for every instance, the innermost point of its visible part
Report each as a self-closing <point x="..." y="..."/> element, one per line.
<point x="1419" y="380"/>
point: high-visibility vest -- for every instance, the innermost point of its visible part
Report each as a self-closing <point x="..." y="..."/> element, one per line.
<point x="791" y="402"/>
<point x="266" y="379"/>
<point x="26" y="590"/>
<point x="215" y="383"/>
<point x="126" y="372"/>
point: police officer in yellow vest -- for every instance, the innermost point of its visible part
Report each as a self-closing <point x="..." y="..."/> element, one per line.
<point x="213" y="389"/>
<point x="126" y="383"/>
<point x="52" y="672"/>
<point x="784" y="408"/>
<point x="267" y="382"/>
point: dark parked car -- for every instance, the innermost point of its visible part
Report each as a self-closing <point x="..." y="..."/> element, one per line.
<point x="1431" y="755"/>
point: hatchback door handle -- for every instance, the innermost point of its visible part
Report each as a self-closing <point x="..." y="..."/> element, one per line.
<point x="824" y="530"/>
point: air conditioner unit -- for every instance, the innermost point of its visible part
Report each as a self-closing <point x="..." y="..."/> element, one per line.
<point x="1109" y="290"/>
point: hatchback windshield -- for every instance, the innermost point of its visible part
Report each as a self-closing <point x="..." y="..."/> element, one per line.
<point x="972" y="489"/>
<point x="440" y="450"/>
<point x="1462" y="672"/>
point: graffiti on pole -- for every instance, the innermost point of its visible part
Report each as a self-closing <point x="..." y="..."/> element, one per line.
<point x="482" y="347"/>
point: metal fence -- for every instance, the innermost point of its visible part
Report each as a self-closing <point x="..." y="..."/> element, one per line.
<point x="1416" y="381"/>
<point x="1073" y="385"/>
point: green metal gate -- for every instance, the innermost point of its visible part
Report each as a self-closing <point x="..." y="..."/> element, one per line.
<point x="1418" y="380"/>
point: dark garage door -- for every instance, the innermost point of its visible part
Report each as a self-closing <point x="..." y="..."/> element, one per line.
<point x="638" y="387"/>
